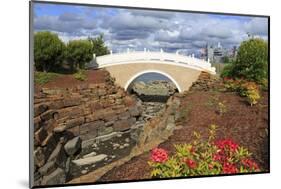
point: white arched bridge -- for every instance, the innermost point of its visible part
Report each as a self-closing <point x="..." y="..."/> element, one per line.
<point x="126" y="67"/>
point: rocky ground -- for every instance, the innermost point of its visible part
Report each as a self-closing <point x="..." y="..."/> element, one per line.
<point x="153" y="91"/>
<point x="98" y="154"/>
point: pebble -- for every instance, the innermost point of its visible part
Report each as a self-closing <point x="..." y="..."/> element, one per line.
<point x="127" y="140"/>
<point x="126" y="145"/>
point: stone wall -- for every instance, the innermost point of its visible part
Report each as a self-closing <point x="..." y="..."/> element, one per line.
<point x="64" y="118"/>
<point x="206" y="82"/>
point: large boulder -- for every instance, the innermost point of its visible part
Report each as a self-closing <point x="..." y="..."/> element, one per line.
<point x="56" y="177"/>
<point x="73" y="146"/>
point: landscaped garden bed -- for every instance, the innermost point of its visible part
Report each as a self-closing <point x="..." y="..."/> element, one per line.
<point x="244" y="124"/>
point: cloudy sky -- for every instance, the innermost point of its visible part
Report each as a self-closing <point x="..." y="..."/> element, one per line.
<point x="153" y="30"/>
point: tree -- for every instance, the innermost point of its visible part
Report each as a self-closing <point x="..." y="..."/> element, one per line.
<point x="48" y="51"/>
<point x="251" y="60"/>
<point x="99" y="47"/>
<point x="78" y="53"/>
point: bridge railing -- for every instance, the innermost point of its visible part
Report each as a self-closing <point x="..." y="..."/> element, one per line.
<point x="111" y="59"/>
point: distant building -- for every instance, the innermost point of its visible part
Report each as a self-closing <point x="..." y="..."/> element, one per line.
<point x="216" y="54"/>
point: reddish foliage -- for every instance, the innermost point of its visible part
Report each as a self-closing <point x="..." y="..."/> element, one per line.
<point x="159" y="155"/>
<point x="191" y="164"/>
<point x="229" y="168"/>
<point x="250" y="164"/>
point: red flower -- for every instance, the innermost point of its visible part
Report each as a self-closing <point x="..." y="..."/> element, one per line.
<point x="229" y="168"/>
<point x="218" y="157"/>
<point x="159" y="155"/>
<point x="190" y="163"/>
<point x="250" y="164"/>
<point x="227" y="144"/>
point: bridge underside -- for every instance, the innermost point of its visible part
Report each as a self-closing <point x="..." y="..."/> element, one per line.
<point x="182" y="77"/>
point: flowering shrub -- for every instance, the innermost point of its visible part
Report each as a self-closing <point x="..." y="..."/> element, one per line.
<point x="159" y="155"/>
<point x="251" y="91"/>
<point x="247" y="89"/>
<point x="201" y="157"/>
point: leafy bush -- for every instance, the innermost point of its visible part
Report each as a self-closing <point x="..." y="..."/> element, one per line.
<point x="49" y="51"/>
<point x="251" y="62"/>
<point x="42" y="77"/>
<point x="99" y="47"/>
<point x="247" y="89"/>
<point x="210" y="157"/>
<point x="251" y="91"/>
<point x="80" y="75"/>
<point x="78" y="53"/>
<point x="227" y="71"/>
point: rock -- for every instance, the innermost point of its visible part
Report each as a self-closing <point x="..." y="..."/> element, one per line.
<point x="60" y="128"/>
<point x="126" y="145"/>
<point x="47" y="168"/>
<point x="127" y="140"/>
<point x="56" y="177"/>
<point x="84" y="172"/>
<point x="121" y="125"/>
<point x="116" y="145"/>
<point x="39" y="157"/>
<point x="105" y="131"/>
<point x="89" y="160"/>
<point x="124" y="116"/>
<point x="90" y="155"/>
<point x="47" y="115"/>
<point x="58" y="156"/>
<point x="37" y="123"/>
<point x="67" y="165"/>
<point x="40" y="135"/>
<point x="72" y="146"/>
<point x="39" y="109"/>
<point x="134" y="111"/>
<point x="75" y="122"/>
<point x="71" y="102"/>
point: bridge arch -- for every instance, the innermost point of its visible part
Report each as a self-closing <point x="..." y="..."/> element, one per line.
<point x="152" y="71"/>
<point x="125" y="67"/>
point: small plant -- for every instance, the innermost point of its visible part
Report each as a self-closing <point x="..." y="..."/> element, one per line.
<point x="221" y="108"/>
<point x="44" y="77"/>
<point x="202" y="157"/>
<point x="80" y="75"/>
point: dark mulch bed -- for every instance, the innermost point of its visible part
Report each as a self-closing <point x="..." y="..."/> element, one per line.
<point x="68" y="81"/>
<point x="244" y="124"/>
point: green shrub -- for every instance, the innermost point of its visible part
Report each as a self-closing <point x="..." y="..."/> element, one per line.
<point x="251" y="62"/>
<point x="43" y="77"/>
<point x="80" y="75"/>
<point x="209" y="157"/>
<point x="49" y="51"/>
<point x="78" y="53"/>
<point x="227" y="71"/>
<point x="99" y="47"/>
